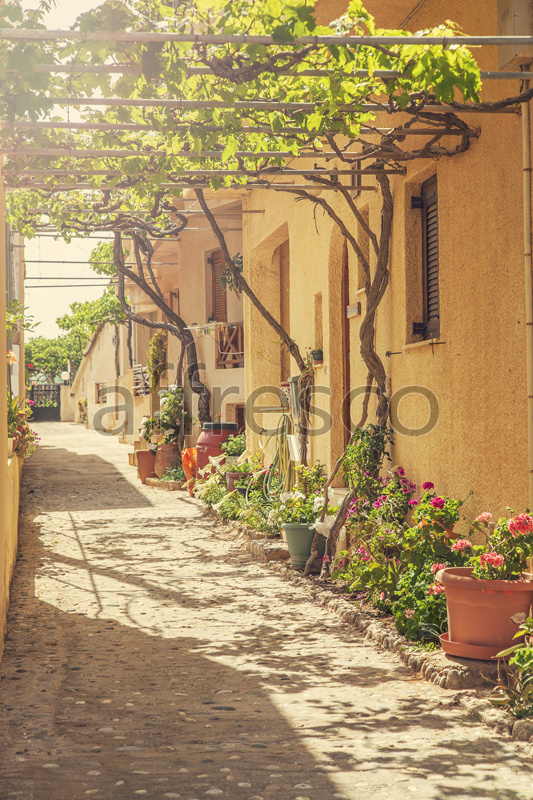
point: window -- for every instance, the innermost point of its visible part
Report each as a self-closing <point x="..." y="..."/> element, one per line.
<point x="219" y="305"/>
<point x="101" y="393"/>
<point x="430" y="249"/>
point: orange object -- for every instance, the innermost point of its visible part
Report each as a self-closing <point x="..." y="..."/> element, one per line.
<point x="189" y="467"/>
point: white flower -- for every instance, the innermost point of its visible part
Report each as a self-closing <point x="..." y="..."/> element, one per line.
<point x="144" y="421"/>
<point x="284" y="496"/>
<point x="298" y="496"/>
<point x="318" y="502"/>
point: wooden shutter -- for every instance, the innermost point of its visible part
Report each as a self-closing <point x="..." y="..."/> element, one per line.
<point x="220" y="312"/>
<point x="430" y="225"/>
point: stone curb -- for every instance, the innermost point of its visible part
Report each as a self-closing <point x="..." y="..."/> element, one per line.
<point x="436" y="667"/>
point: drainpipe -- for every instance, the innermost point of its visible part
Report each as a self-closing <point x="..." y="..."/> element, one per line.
<point x="526" y="165"/>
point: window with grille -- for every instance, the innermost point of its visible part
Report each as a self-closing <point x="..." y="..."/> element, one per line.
<point x="101" y="393"/>
<point x="430" y="244"/>
<point x="220" y="312"/>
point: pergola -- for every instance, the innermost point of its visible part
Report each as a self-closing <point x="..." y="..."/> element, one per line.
<point x="199" y="168"/>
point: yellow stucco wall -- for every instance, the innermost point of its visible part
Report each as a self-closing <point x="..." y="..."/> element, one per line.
<point x="9" y="468"/>
<point x="478" y="373"/>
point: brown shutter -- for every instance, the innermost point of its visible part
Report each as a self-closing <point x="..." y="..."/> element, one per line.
<point x="431" y="257"/>
<point x="220" y="313"/>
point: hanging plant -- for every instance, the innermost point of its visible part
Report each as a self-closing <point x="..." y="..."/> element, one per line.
<point x="157" y="357"/>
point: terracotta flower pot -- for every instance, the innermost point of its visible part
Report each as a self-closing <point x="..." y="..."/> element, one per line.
<point x="167" y="457"/>
<point x="145" y="464"/>
<point x="231" y="477"/>
<point x="480" y="612"/>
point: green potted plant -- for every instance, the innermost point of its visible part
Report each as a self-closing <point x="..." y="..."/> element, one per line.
<point x="238" y="473"/>
<point x="318" y="356"/>
<point x="233" y="447"/>
<point x="296" y="513"/>
<point x="150" y="428"/>
<point x="171" y="416"/>
<point x="487" y="598"/>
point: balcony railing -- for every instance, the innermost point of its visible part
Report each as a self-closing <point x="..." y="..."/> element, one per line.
<point x="230" y="346"/>
<point x="101" y="393"/>
<point x="141" y="380"/>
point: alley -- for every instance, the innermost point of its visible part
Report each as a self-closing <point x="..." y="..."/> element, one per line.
<point x="149" y="655"/>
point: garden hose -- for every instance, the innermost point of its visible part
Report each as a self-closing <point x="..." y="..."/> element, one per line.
<point x="282" y="463"/>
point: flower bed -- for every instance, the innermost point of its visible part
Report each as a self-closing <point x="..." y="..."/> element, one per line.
<point x="398" y="539"/>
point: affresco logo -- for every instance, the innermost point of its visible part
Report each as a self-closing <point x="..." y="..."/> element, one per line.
<point x="322" y="421"/>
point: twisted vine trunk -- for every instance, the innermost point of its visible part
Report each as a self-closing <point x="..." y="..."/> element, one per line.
<point x="176" y="325"/>
<point x="306" y="378"/>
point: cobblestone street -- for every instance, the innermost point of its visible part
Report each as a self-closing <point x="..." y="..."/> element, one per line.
<point x="149" y="655"/>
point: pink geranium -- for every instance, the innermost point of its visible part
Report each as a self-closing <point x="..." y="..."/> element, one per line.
<point x="427" y="486"/>
<point x="413" y="503"/>
<point x="520" y="525"/>
<point x="436" y="567"/>
<point x="435" y="589"/>
<point x="438" y="502"/>
<point x="363" y="553"/>
<point x="492" y="560"/>
<point x="484" y="518"/>
<point x="409" y="613"/>
<point x="461" y="544"/>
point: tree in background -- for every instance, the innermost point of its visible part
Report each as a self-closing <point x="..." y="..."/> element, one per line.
<point x="50" y="357"/>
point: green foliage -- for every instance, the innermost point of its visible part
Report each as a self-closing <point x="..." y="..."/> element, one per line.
<point x="157" y="357"/>
<point x="15" y="413"/>
<point x="234" y="445"/>
<point x="420" y="606"/>
<point x="364" y="459"/>
<point x="101" y="259"/>
<point x="304" y="502"/>
<point x="434" y="513"/>
<point x="150" y="427"/>
<point x="174" y="474"/>
<point x="423" y="71"/>
<point x="514" y="691"/>
<point x="506" y="555"/>
<point x="48" y="358"/>
<point x="243" y="469"/>
<point x="171" y="414"/>
<point x="226" y="277"/>
<point x="19" y="415"/>
<point x="16" y="318"/>
<point x="84" y="318"/>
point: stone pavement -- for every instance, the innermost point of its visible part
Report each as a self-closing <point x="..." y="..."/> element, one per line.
<point x="149" y="656"/>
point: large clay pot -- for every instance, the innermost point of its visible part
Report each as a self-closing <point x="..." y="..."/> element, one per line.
<point x="210" y="439"/>
<point x="480" y="612"/>
<point x="145" y="464"/>
<point x="167" y="457"/>
<point x="299" y="540"/>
